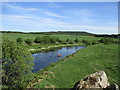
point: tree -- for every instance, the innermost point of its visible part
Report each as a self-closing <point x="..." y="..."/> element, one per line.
<point x="71" y="42"/>
<point x="53" y="39"/>
<point x="106" y="40"/>
<point x="67" y="40"/>
<point x="19" y="40"/>
<point x="76" y="40"/>
<point x="38" y="40"/>
<point x="17" y="63"/>
<point x="28" y="41"/>
<point x="86" y="42"/>
<point x="46" y="39"/>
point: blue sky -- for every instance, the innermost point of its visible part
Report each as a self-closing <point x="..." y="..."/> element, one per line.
<point x="94" y="17"/>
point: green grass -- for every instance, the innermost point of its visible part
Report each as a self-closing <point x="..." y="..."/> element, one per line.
<point x="14" y="36"/>
<point x="85" y="61"/>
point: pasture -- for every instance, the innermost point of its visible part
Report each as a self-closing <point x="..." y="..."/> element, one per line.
<point x="14" y="36"/>
<point x="86" y="61"/>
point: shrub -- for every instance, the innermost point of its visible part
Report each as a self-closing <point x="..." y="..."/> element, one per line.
<point x="76" y="40"/>
<point x="86" y="42"/>
<point x="38" y="40"/>
<point x="71" y="42"/>
<point x="107" y="40"/>
<point x="19" y="40"/>
<point x="67" y="40"/>
<point x="28" y="41"/>
<point x="17" y="63"/>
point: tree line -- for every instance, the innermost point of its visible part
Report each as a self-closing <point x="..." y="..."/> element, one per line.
<point x="55" y="40"/>
<point x="112" y="36"/>
<point x="46" y="40"/>
<point x="51" y="33"/>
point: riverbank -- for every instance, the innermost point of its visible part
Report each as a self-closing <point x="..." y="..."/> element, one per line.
<point x="79" y="64"/>
<point x="52" y="48"/>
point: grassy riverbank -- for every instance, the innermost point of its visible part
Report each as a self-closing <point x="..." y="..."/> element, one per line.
<point x="38" y="47"/>
<point x="51" y="47"/>
<point x="84" y="62"/>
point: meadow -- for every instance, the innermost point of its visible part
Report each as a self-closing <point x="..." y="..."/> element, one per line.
<point x="84" y="62"/>
<point x="14" y="36"/>
<point x="37" y="47"/>
<point x="67" y="71"/>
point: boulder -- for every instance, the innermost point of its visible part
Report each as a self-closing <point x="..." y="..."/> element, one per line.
<point x="96" y="80"/>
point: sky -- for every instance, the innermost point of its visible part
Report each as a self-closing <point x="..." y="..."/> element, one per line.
<point x="93" y="17"/>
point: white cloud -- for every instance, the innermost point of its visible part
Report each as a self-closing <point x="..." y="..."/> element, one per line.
<point x="53" y="14"/>
<point x="16" y="7"/>
<point x="28" y="22"/>
<point x="17" y="17"/>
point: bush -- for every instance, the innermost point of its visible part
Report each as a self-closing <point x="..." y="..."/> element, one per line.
<point x="67" y="40"/>
<point x="17" y="63"/>
<point x="94" y="43"/>
<point x="71" y="42"/>
<point x="61" y="41"/>
<point x="86" y="42"/>
<point x="107" y="40"/>
<point x="76" y="40"/>
<point x="47" y="40"/>
<point x="28" y="41"/>
<point x="19" y="40"/>
<point x="53" y="39"/>
<point x="38" y="40"/>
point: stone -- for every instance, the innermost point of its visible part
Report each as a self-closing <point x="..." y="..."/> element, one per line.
<point x="96" y="80"/>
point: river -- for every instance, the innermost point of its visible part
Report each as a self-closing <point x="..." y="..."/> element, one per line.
<point x="43" y="59"/>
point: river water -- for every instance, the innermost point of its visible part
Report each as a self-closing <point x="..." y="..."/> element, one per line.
<point x="43" y="59"/>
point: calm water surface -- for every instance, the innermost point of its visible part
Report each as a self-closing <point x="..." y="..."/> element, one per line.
<point x="43" y="59"/>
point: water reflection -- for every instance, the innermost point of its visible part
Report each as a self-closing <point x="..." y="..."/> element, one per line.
<point x="43" y="59"/>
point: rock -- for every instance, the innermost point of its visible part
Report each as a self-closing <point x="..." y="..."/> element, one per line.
<point x="112" y="87"/>
<point x="95" y="80"/>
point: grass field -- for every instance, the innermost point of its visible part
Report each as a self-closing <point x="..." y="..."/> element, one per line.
<point x="86" y="61"/>
<point x="14" y="36"/>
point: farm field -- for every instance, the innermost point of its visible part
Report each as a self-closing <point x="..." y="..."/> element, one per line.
<point x="14" y="36"/>
<point x="86" y="61"/>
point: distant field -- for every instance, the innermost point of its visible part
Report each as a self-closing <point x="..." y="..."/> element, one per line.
<point x="14" y="36"/>
<point x="86" y="61"/>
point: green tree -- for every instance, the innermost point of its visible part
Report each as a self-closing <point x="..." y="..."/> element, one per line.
<point x="76" y="40"/>
<point x="16" y="64"/>
<point x="106" y="40"/>
<point x="28" y="41"/>
<point x="19" y="40"/>
<point x="86" y="42"/>
<point x="38" y="40"/>
<point x="46" y="39"/>
<point x="67" y="40"/>
<point x="71" y="42"/>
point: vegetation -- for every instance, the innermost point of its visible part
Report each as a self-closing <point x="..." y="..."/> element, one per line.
<point x="108" y="41"/>
<point x="19" y="40"/>
<point x="84" y="62"/>
<point x="14" y="36"/>
<point x="52" y="33"/>
<point x="16" y="65"/>
<point x="17" y="61"/>
<point x="28" y="41"/>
